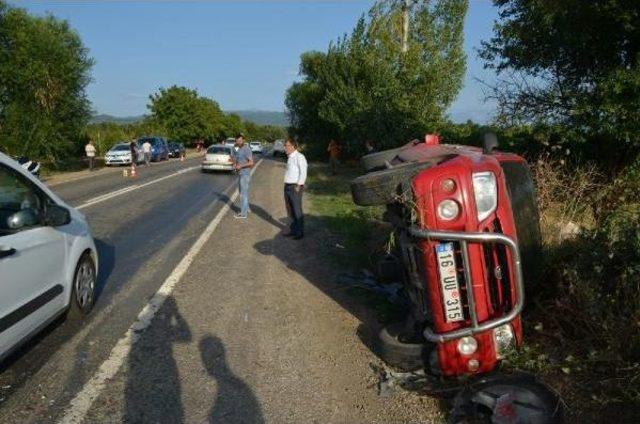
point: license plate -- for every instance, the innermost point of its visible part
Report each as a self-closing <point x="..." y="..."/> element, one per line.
<point x="449" y="282"/>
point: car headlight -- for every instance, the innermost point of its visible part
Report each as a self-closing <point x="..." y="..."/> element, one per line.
<point x="467" y="345"/>
<point x="448" y="209"/>
<point x="503" y="339"/>
<point x="485" y="191"/>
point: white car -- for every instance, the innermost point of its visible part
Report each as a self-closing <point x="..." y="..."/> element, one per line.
<point x="256" y="146"/>
<point x="48" y="260"/>
<point x="120" y="154"/>
<point x="231" y="142"/>
<point x="278" y="148"/>
<point x="218" y="157"/>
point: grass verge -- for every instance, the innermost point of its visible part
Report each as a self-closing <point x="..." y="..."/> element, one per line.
<point x="358" y="235"/>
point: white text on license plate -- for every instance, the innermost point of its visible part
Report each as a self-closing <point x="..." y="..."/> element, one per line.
<point x="449" y="282"/>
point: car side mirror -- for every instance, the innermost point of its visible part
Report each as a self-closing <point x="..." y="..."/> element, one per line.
<point x="56" y="216"/>
<point x="490" y="142"/>
<point x="23" y="218"/>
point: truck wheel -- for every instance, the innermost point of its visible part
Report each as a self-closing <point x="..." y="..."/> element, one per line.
<point x="397" y="352"/>
<point x="83" y="290"/>
<point x="377" y="161"/>
<point x="515" y="398"/>
<point x="382" y="187"/>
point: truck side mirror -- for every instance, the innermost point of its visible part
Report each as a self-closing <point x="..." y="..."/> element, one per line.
<point x="490" y="142"/>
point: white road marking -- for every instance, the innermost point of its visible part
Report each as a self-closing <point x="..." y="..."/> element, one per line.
<point x="116" y="193"/>
<point x="81" y="403"/>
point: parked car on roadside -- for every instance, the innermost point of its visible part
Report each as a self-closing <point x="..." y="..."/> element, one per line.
<point x="278" y="148"/>
<point x="159" y="147"/>
<point x="466" y="224"/>
<point x="231" y="142"/>
<point x="120" y="154"/>
<point x="48" y="259"/>
<point x="176" y="149"/>
<point x="218" y="158"/>
<point x="256" y="146"/>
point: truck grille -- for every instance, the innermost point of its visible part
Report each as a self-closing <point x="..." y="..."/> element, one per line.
<point x="498" y="273"/>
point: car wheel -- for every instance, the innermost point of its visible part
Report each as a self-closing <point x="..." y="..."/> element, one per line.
<point x="377" y="161"/>
<point x="395" y="350"/>
<point x="507" y="398"/>
<point x="383" y="187"/>
<point x="83" y="290"/>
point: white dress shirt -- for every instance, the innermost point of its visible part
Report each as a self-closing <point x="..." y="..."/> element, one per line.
<point x="296" y="169"/>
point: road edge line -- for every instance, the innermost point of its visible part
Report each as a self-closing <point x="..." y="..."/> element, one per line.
<point x="82" y="402"/>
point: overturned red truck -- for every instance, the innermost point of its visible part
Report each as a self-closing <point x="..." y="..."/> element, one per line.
<point x="466" y="223"/>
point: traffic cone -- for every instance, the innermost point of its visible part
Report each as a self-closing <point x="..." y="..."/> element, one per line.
<point x="133" y="171"/>
<point x="125" y="173"/>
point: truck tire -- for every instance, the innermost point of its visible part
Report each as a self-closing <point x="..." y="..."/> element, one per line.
<point x="383" y="187"/>
<point x="405" y="356"/>
<point x="509" y="398"/>
<point x="377" y="161"/>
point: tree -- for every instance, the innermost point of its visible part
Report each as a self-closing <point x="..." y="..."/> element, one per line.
<point x="366" y="86"/>
<point x="44" y="70"/>
<point x="574" y="63"/>
<point x="185" y="115"/>
<point x="232" y="125"/>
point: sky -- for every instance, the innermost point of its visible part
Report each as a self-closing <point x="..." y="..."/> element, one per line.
<point x="243" y="54"/>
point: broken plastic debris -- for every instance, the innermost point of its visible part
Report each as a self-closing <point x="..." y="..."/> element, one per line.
<point x="339" y="246"/>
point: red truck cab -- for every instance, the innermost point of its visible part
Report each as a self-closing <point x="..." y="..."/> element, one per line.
<point x="468" y="223"/>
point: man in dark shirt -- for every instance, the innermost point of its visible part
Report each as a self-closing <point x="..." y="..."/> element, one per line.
<point x="243" y="162"/>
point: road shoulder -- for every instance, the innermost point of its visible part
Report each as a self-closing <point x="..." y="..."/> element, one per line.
<point x="256" y="330"/>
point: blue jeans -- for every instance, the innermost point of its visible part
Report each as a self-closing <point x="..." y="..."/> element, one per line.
<point x="243" y="181"/>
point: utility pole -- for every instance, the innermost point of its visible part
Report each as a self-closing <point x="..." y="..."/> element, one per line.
<point x="405" y="26"/>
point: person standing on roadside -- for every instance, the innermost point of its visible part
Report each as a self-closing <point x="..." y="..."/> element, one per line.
<point x="334" y="149"/>
<point x="369" y="147"/>
<point x="294" y="179"/>
<point x="133" y="148"/>
<point x="243" y="162"/>
<point x="90" y="151"/>
<point x="146" y="151"/>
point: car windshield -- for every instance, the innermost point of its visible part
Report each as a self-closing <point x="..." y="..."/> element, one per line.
<point x="120" y="148"/>
<point x="255" y="143"/>
<point x="218" y="150"/>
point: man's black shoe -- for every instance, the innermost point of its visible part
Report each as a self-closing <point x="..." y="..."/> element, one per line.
<point x="289" y="234"/>
<point x="298" y="237"/>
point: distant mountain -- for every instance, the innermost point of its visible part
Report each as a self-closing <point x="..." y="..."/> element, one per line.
<point x="263" y="117"/>
<point x="98" y="119"/>
<point x="260" y="117"/>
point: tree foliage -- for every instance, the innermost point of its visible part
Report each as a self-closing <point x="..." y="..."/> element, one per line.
<point x="44" y="70"/>
<point x="574" y="63"/>
<point x="185" y="115"/>
<point x="364" y="87"/>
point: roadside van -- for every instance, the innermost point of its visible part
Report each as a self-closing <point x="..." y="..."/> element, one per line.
<point x="48" y="259"/>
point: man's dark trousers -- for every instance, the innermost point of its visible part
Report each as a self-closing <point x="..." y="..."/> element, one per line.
<point x="293" y="200"/>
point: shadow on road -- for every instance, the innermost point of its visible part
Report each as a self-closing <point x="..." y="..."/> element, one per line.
<point x="311" y="258"/>
<point x="107" y="255"/>
<point x="235" y="402"/>
<point x="153" y="392"/>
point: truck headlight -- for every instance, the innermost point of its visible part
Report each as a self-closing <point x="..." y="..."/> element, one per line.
<point x="448" y="209"/>
<point x="485" y="191"/>
<point x="503" y="339"/>
<point x="467" y="345"/>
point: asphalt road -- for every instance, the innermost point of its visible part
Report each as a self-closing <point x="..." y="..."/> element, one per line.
<point x="141" y="234"/>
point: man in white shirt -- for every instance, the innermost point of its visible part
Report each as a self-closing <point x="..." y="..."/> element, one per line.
<point x="146" y="150"/>
<point x="294" y="180"/>
<point x="90" y="151"/>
